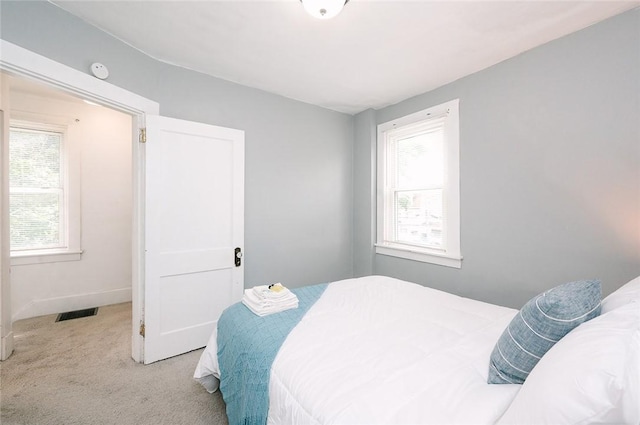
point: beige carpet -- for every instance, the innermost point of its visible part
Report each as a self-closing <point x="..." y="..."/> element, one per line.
<point x="80" y="371"/>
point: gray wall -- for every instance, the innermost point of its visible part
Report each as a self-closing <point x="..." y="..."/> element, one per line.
<point x="298" y="199"/>
<point x="550" y="169"/>
<point x="550" y="160"/>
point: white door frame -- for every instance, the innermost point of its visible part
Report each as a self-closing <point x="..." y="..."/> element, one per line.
<point x="22" y="62"/>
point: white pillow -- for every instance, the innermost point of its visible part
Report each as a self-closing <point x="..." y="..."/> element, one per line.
<point x="591" y="376"/>
<point x="623" y="295"/>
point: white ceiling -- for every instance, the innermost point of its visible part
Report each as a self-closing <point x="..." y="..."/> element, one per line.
<point x="375" y="53"/>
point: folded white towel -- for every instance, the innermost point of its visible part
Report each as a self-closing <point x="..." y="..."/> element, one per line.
<point x="263" y="307"/>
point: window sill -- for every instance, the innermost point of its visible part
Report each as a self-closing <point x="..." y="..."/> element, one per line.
<point x="44" y="256"/>
<point x="416" y="254"/>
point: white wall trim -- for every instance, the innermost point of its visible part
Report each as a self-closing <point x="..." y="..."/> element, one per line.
<point x="386" y="243"/>
<point x="416" y="255"/>
<point x="73" y="302"/>
<point x="6" y="346"/>
<point x="20" y="61"/>
<point x="41" y="257"/>
<point x="29" y="64"/>
<point x="6" y="334"/>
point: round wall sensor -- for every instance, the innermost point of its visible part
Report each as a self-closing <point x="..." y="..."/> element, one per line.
<point x="99" y="70"/>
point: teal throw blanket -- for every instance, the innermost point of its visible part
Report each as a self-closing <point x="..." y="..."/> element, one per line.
<point x="247" y="346"/>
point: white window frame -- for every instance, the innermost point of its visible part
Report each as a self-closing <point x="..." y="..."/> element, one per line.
<point x="71" y="250"/>
<point x="449" y="255"/>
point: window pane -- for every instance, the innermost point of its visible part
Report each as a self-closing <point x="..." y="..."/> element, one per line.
<point x="35" y="220"/>
<point x="421" y="160"/>
<point x="419" y="217"/>
<point x="34" y="158"/>
<point x="36" y="189"/>
<point x="418" y="186"/>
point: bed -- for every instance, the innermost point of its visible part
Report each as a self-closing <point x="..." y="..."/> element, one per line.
<point x="378" y="350"/>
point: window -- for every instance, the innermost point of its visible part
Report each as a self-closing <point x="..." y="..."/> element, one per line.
<point x="418" y="186"/>
<point x="39" y="201"/>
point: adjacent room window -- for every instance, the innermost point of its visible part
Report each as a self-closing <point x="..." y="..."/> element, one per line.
<point x="418" y="186"/>
<point x="39" y="191"/>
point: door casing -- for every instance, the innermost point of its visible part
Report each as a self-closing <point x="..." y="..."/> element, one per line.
<point x="18" y="61"/>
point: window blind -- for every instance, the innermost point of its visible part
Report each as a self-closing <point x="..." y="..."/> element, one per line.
<point x="36" y="182"/>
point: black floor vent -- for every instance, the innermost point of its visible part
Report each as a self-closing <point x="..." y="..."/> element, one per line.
<point x="77" y="314"/>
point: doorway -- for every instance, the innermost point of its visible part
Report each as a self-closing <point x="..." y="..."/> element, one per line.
<point x="16" y="61"/>
<point x="182" y="279"/>
<point x="71" y="232"/>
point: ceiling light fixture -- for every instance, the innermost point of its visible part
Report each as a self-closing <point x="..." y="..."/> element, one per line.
<point x="323" y="9"/>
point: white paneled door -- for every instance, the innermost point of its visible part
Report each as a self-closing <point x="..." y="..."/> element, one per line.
<point x="194" y="224"/>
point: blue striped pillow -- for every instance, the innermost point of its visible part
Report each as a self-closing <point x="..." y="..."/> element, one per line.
<point x="539" y="325"/>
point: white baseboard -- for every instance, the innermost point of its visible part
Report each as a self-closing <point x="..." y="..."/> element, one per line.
<point x="73" y="302"/>
<point x="6" y="346"/>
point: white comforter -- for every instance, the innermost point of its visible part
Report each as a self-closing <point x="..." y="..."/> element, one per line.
<point x="378" y="350"/>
